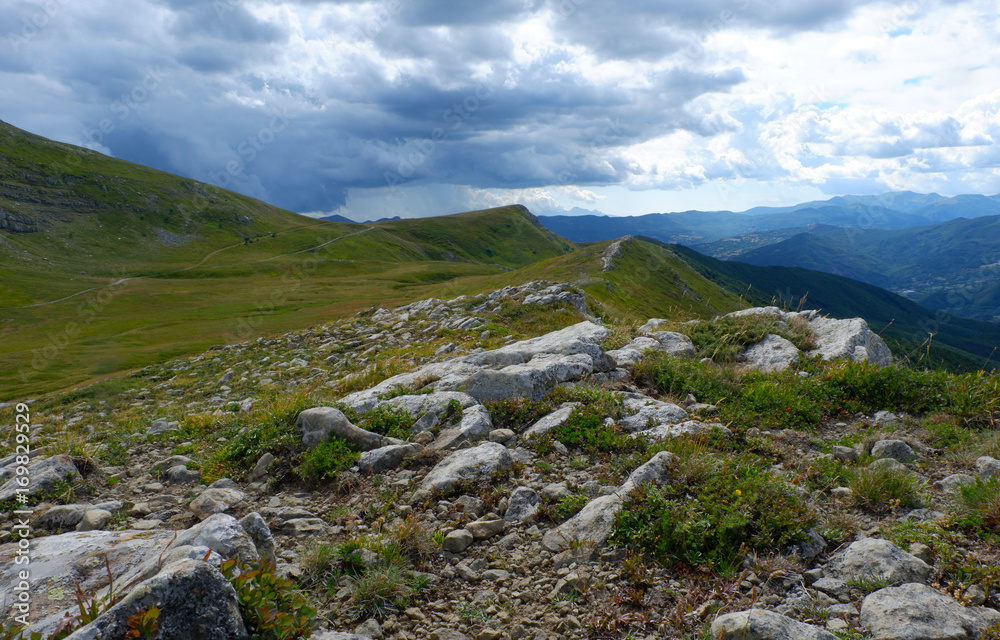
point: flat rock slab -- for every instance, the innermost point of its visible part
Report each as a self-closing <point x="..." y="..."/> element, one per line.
<point x="553" y="420"/>
<point x="760" y="624"/>
<point x="468" y="465"/>
<point x="919" y="612"/>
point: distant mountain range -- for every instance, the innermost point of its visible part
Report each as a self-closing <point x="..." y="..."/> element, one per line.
<point x="943" y="252"/>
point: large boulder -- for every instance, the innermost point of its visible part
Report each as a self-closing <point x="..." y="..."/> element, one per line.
<point x="467" y="465"/>
<point x="919" y="612"/>
<point x="533" y="380"/>
<point x="529" y="368"/>
<point x="877" y="558"/>
<point x="849" y="339"/>
<point x="760" y="624"/>
<point x="385" y="458"/>
<point x="320" y="423"/>
<point x="675" y="344"/>
<point x="195" y="600"/>
<point x="583" y="338"/>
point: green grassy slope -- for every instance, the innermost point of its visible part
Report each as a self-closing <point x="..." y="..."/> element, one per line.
<point x="106" y="266"/>
<point x="958" y="343"/>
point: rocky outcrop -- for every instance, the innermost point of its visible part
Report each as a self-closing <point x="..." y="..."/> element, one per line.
<point x="530" y="368"/>
<point x="773" y="353"/>
<point x="45" y="476"/>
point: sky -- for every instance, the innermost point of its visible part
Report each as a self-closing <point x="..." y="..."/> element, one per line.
<point x="414" y="108"/>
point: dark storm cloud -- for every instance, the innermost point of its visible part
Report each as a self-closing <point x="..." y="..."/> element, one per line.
<point x="298" y="103"/>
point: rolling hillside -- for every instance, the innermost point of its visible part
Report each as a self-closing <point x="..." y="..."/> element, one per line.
<point x="892" y="211"/>
<point x="948" y="266"/>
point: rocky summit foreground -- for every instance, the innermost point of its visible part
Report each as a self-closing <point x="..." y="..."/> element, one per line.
<point x="516" y="488"/>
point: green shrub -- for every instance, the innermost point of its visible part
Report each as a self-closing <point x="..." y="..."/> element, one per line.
<point x="880" y="489"/>
<point x="270" y="606"/>
<point x="569" y="506"/>
<point x="387" y="421"/>
<point x="774" y="401"/>
<point x="517" y="414"/>
<point x="979" y="503"/>
<point x="681" y="376"/>
<point x="326" y="460"/>
<point x="585" y="430"/>
<point x="864" y="387"/>
<point x="741" y="506"/>
<point x="724" y="338"/>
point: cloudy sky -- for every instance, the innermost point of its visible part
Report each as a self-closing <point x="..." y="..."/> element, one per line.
<point x="424" y="107"/>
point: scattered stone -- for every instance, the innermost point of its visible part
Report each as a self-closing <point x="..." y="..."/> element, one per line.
<point x="458" y="540"/>
<point x="162" y="426"/>
<point x="94" y="519"/>
<point x="954" y="482"/>
<point x="260" y="469"/>
<point x="483" y="529"/>
<point x="553" y="420"/>
<point x="987" y="467"/>
<point x="385" y="458"/>
<point x="212" y="501"/>
<point x="844" y="454"/>
<point x="180" y="474"/>
<point x="895" y="449"/>
<point x="523" y="505"/>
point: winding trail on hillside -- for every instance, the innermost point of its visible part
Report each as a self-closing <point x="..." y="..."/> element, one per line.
<point x="204" y="259"/>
